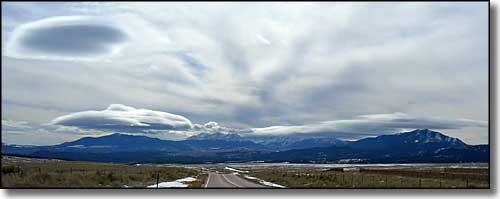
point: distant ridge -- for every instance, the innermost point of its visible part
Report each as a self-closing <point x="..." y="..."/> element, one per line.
<point x="418" y="146"/>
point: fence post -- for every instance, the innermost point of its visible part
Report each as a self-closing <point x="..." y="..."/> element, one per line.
<point x="342" y="178"/>
<point x="386" y="181"/>
<point x="441" y="180"/>
<point x="466" y="181"/>
<point x="157" y="180"/>
<point x="352" y="179"/>
<point x="419" y="180"/>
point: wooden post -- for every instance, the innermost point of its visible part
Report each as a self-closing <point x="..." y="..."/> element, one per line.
<point x="441" y="180"/>
<point x="342" y="179"/>
<point x="466" y="181"/>
<point x="157" y="180"/>
<point x="419" y="180"/>
<point x="386" y="181"/>
<point x="352" y="179"/>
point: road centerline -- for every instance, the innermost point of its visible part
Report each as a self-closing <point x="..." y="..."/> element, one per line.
<point x="208" y="180"/>
<point x="230" y="182"/>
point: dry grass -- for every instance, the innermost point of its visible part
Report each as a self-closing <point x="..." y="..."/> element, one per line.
<point x="64" y="174"/>
<point x="200" y="180"/>
<point x="373" y="178"/>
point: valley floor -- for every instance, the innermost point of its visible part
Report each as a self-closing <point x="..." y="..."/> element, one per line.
<point x="19" y="172"/>
<point x="370" y="176"/>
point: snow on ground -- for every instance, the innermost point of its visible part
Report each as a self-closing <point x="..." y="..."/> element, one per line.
<point x="264" y="182"/>
<point x="250" y="177"/>
<point x="232" y="169"/>
<point x="271" y="184"/>
<point x="168" y="184"/>
<point x="177" y="183"/>
<point x="188" y="179"/>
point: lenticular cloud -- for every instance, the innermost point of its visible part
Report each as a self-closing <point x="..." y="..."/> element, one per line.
<point x="68" y="37"/>
<point x="121" y="118"/>
<point x="375" y="124"/>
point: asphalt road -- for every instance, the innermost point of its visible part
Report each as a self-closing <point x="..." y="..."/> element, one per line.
<point x="216" y="180"/>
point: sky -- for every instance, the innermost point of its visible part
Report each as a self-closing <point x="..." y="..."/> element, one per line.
<point x="175" y="69"/>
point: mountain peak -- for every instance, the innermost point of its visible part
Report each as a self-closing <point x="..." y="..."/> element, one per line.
<point x="429" y="136"/>
<point x="118" y="135"/>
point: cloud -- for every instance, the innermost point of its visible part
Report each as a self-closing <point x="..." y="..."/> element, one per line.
<point x="11" y="125"/>
<point x="27" y="133"/>
<point x="263" y="39"/>
<point x="214" y="127"/>
<point x="211" y="62"/>
<point x="121" y="118"/>
<point x="66" y="37"/>
<point x="24" y="127"/>
<point x="375" y="124"/>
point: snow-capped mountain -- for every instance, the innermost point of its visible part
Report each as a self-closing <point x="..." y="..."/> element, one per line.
<point x="418" y="146"/>
<point x="217" y="136"/>
<point x="289" y="142"/>
<point x="420" y="139"/>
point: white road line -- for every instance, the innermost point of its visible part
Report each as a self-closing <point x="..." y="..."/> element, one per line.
<point x="224" y="176"/>
<point x="208" y="180"/>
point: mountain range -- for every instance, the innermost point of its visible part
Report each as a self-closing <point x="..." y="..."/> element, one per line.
<point x="418" y="146"/>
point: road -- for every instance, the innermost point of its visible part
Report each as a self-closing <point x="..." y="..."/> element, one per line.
<point x="216" y="180"/>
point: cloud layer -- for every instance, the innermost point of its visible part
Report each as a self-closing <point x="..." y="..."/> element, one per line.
<point x="375" y="124"/>
<point x="68" y="37"/>
<point x="123" y="118"/>
<point x="250" y="65"/>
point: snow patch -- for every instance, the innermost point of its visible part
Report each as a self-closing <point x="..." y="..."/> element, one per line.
<point x="232" y="169"/>
<point x="264" y="182"/>
<point x="76" y="146"/>
<point x="177" y="183"/>
<point x="250" y="177"/>
<point x="188" y="179"/>
<point x="168" y="184"/>
<point x="352" y="160"/>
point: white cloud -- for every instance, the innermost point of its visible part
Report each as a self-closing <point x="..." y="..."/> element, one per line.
<point x="68" y="38"/>
<point x="121" y="118"/>
<point x="26" y="133"/>
<point x="210" y="62"/>
<point x="126" y="119"/>
<point x="15" y="125"/>
<point x="263" y="39"/>
<point x="375" y="124"/>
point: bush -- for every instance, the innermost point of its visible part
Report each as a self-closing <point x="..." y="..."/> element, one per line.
<point x="10" y="169"/>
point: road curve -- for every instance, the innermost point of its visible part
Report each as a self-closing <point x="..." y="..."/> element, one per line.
<point x="215" y="180"/>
